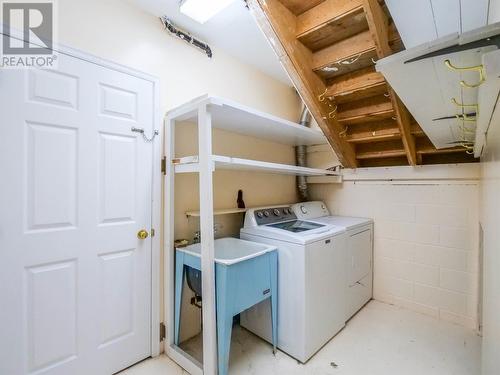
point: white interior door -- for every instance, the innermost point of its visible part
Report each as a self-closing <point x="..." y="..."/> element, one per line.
<point x="76" y="187"/>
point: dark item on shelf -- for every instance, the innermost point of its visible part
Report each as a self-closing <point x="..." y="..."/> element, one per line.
<point x="240" y="201"/>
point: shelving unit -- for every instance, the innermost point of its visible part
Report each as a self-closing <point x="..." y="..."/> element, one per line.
<point x="208" y="113"/>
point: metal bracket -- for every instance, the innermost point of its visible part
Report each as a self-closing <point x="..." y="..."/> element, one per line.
<point x="163" y="332"/>
<point x="164" y="165"/>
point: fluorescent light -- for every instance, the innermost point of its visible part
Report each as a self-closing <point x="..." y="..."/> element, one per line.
<point x="202" y="10"/>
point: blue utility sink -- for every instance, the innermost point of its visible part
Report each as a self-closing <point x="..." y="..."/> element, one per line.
<point x="246" y="273"/>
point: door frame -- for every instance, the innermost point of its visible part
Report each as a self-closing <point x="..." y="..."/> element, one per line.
<point x="157" y="176"/>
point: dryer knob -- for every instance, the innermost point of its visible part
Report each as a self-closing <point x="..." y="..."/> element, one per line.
<point x="266" y="213"/>
<point x="303" y="209"/>
<point x="276" y="212"/>
<point x="260" y="214"/>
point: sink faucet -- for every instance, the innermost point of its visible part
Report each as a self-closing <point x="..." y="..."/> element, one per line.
<point x="197" y="234"/>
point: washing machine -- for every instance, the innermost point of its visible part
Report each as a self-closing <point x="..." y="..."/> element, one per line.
<point x="311" y="274"/>
<point x="359" y="280"/>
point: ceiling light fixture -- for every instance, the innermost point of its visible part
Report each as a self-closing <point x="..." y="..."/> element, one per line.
<point x="202" y="10"/>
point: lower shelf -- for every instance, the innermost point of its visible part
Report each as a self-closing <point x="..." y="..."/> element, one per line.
<point x="227" y="211"/>
<point x="190" y="164"/>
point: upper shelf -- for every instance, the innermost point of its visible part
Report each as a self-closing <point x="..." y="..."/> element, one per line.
<point x="237" y="118"/>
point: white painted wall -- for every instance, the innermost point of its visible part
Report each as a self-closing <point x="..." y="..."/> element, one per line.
<point x="426" y="234"/>
<point x="490" y="220"/>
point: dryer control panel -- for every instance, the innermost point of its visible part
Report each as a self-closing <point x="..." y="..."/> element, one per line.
<point x="310" y="210"/>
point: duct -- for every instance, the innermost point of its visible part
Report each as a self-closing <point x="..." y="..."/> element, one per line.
<point x="301" y="157"/>
<point x="174" y="30"/>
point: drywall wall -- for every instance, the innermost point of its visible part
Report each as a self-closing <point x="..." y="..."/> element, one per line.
<point x="118" y="31"/>
<point x="490" y="221"/>
<point x="426" y="233"/>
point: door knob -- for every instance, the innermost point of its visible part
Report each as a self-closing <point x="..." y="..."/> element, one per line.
<point x="142" y="234"/>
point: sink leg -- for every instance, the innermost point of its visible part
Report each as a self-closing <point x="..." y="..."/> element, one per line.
<point x="179" y="283"/>
<point x="273" y="266"/>
<point x="224" y="317"/>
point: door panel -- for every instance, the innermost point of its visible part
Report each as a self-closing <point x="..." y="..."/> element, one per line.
<point x="117" y="296"/>
<point x="75" y="281"/>
<point x="51" y="312"/>
<point x="360" y="252"/>
<point x="117" y="161"/>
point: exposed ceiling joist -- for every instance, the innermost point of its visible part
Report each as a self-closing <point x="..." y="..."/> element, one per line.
<point x="329" y="50"/>
<point x="279" y="25"/>
<point x="378" y="24"/>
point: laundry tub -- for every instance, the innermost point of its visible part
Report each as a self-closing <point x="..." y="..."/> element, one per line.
<point x="246" y="273"/>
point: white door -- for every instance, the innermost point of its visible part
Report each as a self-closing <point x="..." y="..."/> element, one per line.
<point x="75" y="188"/>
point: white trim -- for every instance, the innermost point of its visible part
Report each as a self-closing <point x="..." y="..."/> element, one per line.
<point x="168" y="231"/>
<point x="156" y="224"/>
<point x="466" y="171"/>
<point x="207" y="240"/>
<point x="156" y="177"/>
<point x="188" y="363"/>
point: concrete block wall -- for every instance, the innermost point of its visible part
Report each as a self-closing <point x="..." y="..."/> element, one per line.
<point x="426" y="242"/>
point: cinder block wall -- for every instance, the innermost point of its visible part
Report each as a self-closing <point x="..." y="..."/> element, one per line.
<point x="426" y="241"/>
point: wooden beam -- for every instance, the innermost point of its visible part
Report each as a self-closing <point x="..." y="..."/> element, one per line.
<point x="330" y="22"/>
<point x="379" y="150"/>
<point x="300" y="6"/>
<point x="365" y="110"/>
<point x="378" y="24"/>
<point x="451" y="158"/>
<point x="425" y="147"/>
<point x="348" y="48"/>
<point x="357" y="85"/>
<point x="416" y="130"/>
<point x="279" y="26"/>
<point x="404" y="121"/>
<point x="383" y="162"/>
<point x="324" y="13"/>
<point x="345" y="49"/>
<point x="373" y="132"/>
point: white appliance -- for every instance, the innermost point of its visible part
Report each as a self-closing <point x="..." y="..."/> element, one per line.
<point x="359" y="279"/>
<point x="311" y="275"/>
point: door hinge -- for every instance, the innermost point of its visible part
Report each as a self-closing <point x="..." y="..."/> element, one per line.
<point x="152" y="232"/>
<point x="164" y="165"/>
<point x="162" y="331"/>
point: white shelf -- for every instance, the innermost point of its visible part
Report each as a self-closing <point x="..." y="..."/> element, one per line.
<point x="190" y="165"/>
<point x="237" y="118"/>
<point x="226" y="211"/>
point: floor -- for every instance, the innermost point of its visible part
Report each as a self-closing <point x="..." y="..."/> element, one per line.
<point x="380" y="339"/>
